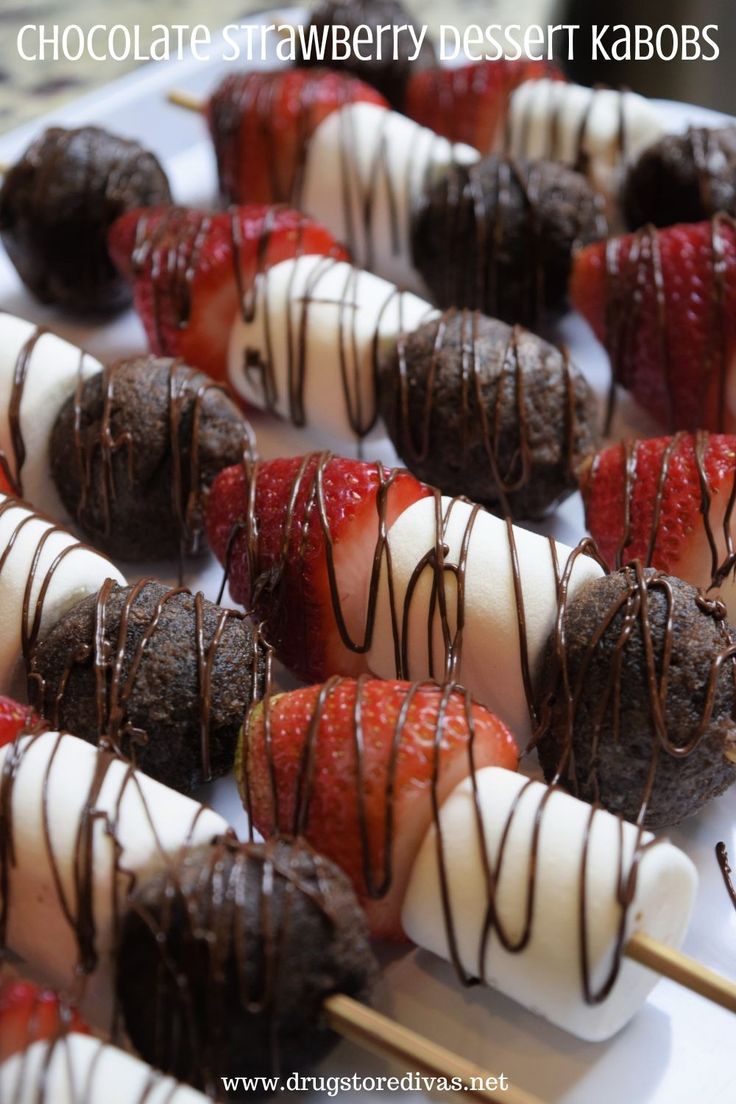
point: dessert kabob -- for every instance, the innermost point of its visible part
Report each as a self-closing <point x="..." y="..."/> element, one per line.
<point x="326" y="142"/>
<point x="215" y="958"/>
<point x="469" y="402"/>
<point x="355" y="569"/>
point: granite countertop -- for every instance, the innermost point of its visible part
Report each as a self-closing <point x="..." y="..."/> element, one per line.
<point x="28" y="89"/>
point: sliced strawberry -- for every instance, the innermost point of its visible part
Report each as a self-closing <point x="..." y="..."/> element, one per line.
<point x="14" y="718"/>
<point x="261" y="123"/>
<point x="664" y="501"/>
<point x="663" y="302"/>
<point x="469" y="104"/>
<point x="192" y="271"/>
<point x="302" y="553"/>
<point x="28" y="1013"/>
<point x="352" y="766"/>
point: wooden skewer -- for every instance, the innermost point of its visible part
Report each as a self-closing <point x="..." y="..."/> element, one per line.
<point x="185" y="100"/>
<point x="681" y="968"/>
<point x="382" y="1036"/>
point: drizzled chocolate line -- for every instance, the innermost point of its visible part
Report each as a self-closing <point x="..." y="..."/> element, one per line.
<point x="33" y="610"/>
<point x="14" y="472"/>
<point x="77" y="904"/>
<point x="377" y="852"/>
<point x="643" y="268"/>
<point x="632" y="607"/>
<point x="247" y="106"/>
<point x="415" y="440"/>
<point x="185" y="385"/>
<point x="726" y="871"/>
<point x="85" y="1090"/>
<point x="111" y="655"/>
<point x="491" y="211"/>
<point x="259" y="363"/>
<point x="722" y="563"/>
<point x="519" y="123"/>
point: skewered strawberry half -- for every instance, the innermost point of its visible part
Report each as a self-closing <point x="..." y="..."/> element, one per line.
<point x="669" y="503"/>
<point x="303" y="540"/>
<point x="470" y="103"/>
<point x="14" y="719"/>
<point x="192" y="272"/>
<point x="28" y="1014"/>
<point x="361" y="768"/>
<point x="663" y="302"/>
<point x="261" y="123"/>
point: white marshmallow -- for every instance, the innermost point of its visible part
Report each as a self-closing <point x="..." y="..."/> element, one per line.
<point x="489" y="649"/>
<point x="79" y="1069"/>
<point x="106" y="825"/>
<point x="570" y="123"/>
<point x="320" y="324"/>
<point x="45" y="570"/>
<point x="52" y="369"/>
<point x="546" y="976"/>
<point x="366" y="171"/>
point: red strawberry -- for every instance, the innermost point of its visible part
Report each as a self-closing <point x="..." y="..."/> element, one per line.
<point x="469" y="104"/>
<point x="309" y="515"/>
<point x="351" y="765"/>
<point x="192" y="271"/>
<point x="261" y="123"/>
<point x="663" y="501"/>
<point x="14" y="718"/>
<point x="28" y="1014"/>
<point x="664" y="304"/>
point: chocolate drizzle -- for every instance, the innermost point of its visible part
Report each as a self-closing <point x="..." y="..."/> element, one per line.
<point x="634" y="272"/>
<point x="473" y="405"/>
<point x="185" y="456"/>
<point x="709" y="454"/>
<point x="260" y="363"/>
<point x="726" y="871"/>
<point x="498" y="236"/>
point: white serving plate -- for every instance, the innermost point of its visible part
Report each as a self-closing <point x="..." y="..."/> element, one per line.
<point x="678" y="1050"/>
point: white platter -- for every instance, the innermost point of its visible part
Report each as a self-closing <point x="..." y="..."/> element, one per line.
<point x="678" y="1050"/>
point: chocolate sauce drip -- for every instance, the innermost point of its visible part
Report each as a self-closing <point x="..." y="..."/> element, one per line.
<point x="75" y="897"/>
<point x="719" y="536"/>
<point x="642" y="268"/>
<point x="377" y="848"/>
<point x="260" y="363"/>
<point x="726" y="871"/>
<point x="519" y="124"/>
<point x="94" y="458"/>
<point x="471" y="403"/>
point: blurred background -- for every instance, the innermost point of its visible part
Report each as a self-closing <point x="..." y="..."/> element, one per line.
<point x="30" y="88"/>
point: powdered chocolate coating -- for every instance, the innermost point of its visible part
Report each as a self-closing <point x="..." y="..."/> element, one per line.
<point x="252" y="939"/>
<point x="478" y="409"/>
<point x="391" y="72"/>
<point x="133" y="503"/>
<point x="57" y="205"/>
<point x="161" y="723"/>
<point x="683" y="178"/>
<point x="616" y="770"/>
<point x="498" y="236"/>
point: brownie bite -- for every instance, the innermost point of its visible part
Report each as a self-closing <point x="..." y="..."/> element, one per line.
<point x="479" y="408"/>
<point x="133" y="452"/>
<point x="498" y="236"/>
<point x="59" y="201"/>
<point x="162" y="676"/>
<point x="226" y="959"/>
